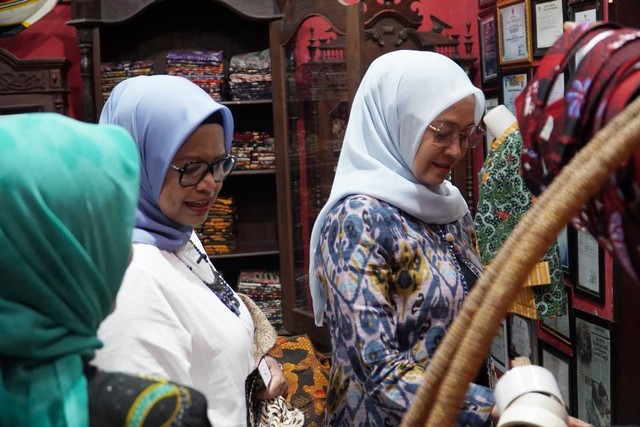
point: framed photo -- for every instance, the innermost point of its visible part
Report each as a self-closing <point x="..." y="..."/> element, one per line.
<point x="514" y="32"/>
<point x="584" y="11"/>
<point x="595" y="383"/>
<point x="559" y="364"/>
<point x="560" y="327"/>
<point x="522" y="338"/>
<point x="499" y="350"/>
<point x="567" y="248"/>
<point x="548" y="18"/>
<point x="512" y="84"/>
<point x="488" y="47"/>
<point x="483" y="3"/>
<point x="589" y="273"/>
<point x="492" y="101"/>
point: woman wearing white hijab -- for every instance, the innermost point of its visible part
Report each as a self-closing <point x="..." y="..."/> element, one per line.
<point x="175" y="315"/>
<point x="393" y="250"/>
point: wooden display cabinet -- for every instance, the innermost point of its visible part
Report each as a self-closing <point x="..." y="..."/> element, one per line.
<point x="32" y="85"/>
<point x="131" y="30"/>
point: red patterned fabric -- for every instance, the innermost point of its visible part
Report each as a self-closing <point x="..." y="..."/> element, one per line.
<point x="605" y="80"/>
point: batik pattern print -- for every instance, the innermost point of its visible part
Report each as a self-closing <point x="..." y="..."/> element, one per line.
<point x="504" y="200"/>
<point x="393" y="291"/>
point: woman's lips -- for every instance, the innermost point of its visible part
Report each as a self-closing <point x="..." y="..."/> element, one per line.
<point x="199" y="207"/>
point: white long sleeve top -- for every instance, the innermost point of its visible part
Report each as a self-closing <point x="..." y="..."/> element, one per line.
<point x="168" y="323"/>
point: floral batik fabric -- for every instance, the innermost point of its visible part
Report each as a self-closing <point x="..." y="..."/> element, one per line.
<point x="394" y="286"/>
<point x="503" y="201"/>
<point x="601" y="63"/>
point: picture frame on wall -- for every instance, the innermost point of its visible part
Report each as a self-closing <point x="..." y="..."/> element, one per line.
<point x="513" y="82"/>
<point x="585" y="11"/>
<point x="492" y="100"/>
<point x="548" y="20"/>
<point x="488" y="47"/>
<point x="514" y="32"/>
<point x="560" y="327"/>
<point x="499" y="350"/>
<point x="560" y="365"/>
<point x="595" y="382"/>
<point x="589" y="272"/>
<point x="523" y="338"/>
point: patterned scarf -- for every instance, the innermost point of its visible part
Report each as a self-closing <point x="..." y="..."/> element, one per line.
<point x="604" y="81"/>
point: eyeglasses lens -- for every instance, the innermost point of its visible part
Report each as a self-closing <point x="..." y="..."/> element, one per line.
<point x="194" y="172"/>
<point x="446" y="133"/>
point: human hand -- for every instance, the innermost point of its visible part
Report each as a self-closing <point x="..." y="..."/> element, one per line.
<point x="576" y="422"/>
<point x="278" y="384"/>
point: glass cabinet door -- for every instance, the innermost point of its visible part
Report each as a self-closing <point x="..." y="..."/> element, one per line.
<point x="312" y="110"/>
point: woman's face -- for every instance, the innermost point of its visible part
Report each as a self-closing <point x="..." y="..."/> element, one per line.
<point x="190" y="205"/>
<point x="432" y="164"/>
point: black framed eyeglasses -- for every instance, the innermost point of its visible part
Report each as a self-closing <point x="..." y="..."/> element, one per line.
<point x="446" y="133"/>
<point x="194" y="171"/>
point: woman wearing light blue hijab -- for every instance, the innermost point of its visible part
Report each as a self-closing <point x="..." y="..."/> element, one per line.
<point x="69" y="191"/>
<point x="175" y="315"/>
<point x="393" y="254"/>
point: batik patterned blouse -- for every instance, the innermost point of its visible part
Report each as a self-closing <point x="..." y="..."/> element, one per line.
<point x="394" y="288"/>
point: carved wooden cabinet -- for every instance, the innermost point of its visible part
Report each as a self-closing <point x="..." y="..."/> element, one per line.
<point x="32" y="85"/>
<point x="147" y="30"/>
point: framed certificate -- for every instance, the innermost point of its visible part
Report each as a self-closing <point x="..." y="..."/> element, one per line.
<point x="595" y="383"/>
<point x="488" y="47"/>
<point x="548" y="18"/>
<point x="589" y="274"/>
<point x="522" y="338"/>
<point x="514" y="32"/>
<point x="559" y="364"/>
<point x="584" y="11"/>
<point x="512" y="84"/>
<point x="492" y="101"/>
<point x="500" y="348"/>
<point x="560" y="327"/>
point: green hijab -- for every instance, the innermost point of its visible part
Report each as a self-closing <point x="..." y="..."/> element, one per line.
<point x="68" y="191"/>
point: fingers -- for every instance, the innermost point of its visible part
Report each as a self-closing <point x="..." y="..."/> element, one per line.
<point x="278" y="385"/>
<point x="569" y="25"/>
<point x="576" y="422"/>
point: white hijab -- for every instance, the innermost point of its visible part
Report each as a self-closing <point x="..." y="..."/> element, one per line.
<point x="400" y="94"/>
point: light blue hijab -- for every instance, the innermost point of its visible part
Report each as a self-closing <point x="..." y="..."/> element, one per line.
<point x="400" y="94"/>
<point x="160" y="112"/>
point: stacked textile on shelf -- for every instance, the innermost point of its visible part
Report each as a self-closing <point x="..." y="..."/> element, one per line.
<point x="264" y="289"/>
<point x="218" y="232"/>
<point x="250" y="76"/>
<point x="253" y="150"/>
<point x="115" y="72"/>
<point x="204" y="68"/>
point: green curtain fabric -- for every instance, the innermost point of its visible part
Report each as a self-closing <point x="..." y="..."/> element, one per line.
<point x="69" y="191"/>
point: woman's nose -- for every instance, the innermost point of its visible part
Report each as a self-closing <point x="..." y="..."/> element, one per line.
<point x="208" y="183"/>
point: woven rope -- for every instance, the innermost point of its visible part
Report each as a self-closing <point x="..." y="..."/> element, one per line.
<point x="467" y="342"/>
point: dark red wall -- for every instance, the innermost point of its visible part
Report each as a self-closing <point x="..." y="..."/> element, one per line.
<point x="51" y="38"/>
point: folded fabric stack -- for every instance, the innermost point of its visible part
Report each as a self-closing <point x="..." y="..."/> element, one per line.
<point x="204" y="68"/>
<point x="250" y="76"/>
<point x="115" y="72"/>
<point x="264" y="289"/>
<point x="218" y="232"/>
<point x="254" y="150"/>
